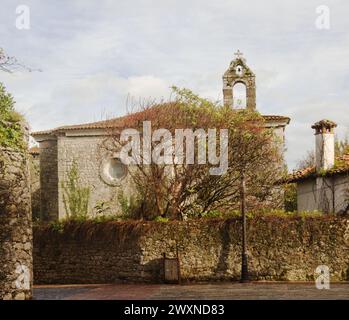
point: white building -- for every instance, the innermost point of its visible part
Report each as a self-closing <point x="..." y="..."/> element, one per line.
<point x="324" y="186"/>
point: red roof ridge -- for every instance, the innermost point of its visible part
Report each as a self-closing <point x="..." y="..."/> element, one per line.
<point x="118" y="122"/>
<point x="341" y="166"/>
<point x="34" y="150"/>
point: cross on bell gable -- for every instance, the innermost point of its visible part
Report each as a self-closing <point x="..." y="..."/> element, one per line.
<point x="239" y="55"/>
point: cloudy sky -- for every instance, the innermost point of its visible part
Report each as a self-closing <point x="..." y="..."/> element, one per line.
<point x="94" y="54"/>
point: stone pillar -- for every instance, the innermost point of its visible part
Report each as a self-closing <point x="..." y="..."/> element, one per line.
<point x="251" y="93"/>
<point x="228" y="96"/>
<point x="15" y="226"/>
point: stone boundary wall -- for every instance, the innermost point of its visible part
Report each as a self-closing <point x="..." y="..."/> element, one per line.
<point x="15" y="226"/>
<point x="279" y="249"/>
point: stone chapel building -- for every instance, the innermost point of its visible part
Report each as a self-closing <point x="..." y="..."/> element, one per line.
<point x="105" y="175"/>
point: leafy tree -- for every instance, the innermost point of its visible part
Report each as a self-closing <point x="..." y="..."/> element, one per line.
<point x="11" y="134"/>
<point x="290" y="191"/>
<point x="181" y="190"/>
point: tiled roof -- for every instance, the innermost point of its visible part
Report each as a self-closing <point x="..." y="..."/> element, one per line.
<point x="34" y="150"/>
<point x="301" y="174"/>
<point x="106" y="124"/>
<point x="118" y="123"/>
<point x="341" y="166"/>
<point x="276" y="118"/>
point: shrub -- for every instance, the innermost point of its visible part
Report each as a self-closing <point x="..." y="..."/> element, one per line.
<point x="11" y="133"/>
<point x="184" y="189"/>
<point x="130" y="206"/>
<point x="161" y="219"/>
<point x="75" y="197"/>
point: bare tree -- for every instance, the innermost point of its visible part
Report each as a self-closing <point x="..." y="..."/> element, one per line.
<point x="341" y="149"/>
<point x="9" y="64"/>
<point x="307" y="162"/>
<point x="6" y="62"/>
<point x="341" y="146"/>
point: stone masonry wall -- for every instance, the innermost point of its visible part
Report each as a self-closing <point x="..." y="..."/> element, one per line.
<point x="15" y="226"/>
<point x="88" y="153"/>
<point x="278" y="249"/>
<point x="49" y="180"/>
<point x="34" y="169"/>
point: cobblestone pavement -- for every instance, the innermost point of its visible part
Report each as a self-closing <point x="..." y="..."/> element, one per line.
<point x="230" y="291"/>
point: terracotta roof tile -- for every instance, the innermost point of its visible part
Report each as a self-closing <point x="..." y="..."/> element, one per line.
<point x="118" y="122"/>
<point x="301" y="174"/>
<point x="341" y="166"/>
<point x="105" y="124"/>
<point x="34" y="150"/>
<point x="275" y="117"/>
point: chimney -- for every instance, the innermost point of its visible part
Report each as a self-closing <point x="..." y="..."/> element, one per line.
<point x="324" y="144"/>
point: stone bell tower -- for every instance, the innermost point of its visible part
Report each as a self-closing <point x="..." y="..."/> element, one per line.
<point x="239" y="85"/>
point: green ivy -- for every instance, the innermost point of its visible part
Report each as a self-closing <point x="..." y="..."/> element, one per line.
<point x="11" y="133"/>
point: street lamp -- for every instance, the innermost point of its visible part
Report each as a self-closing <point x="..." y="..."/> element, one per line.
<point x="244" y="262"/>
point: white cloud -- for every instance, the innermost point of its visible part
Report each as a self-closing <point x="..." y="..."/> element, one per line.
<point x="93" y="54"/>
<point x="148" y="87"/>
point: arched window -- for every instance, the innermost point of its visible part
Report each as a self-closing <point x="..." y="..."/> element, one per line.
<point x="239" y="95"/>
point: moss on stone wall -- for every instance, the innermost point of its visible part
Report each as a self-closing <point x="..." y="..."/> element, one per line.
<point x="15" y="226"/>
<point x="279" y="248"/>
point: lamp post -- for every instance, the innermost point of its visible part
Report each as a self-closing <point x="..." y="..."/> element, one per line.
<point x="244" y="263"/>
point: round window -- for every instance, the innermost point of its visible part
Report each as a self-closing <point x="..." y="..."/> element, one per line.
<point x="117" y="169"/>
<point x="113" y="170"/>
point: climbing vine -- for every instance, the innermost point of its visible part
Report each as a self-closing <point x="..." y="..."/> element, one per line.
<point x="75" y="197"/>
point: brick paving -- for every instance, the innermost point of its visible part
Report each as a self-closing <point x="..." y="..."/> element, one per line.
<point x="224" y="291"/>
